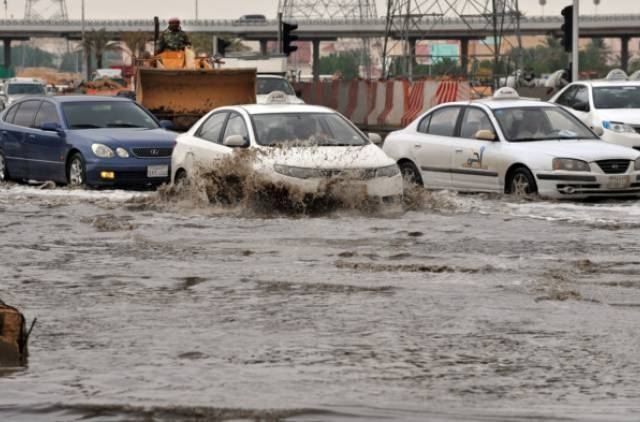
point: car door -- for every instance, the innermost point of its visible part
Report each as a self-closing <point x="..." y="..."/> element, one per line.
<point x="46" y="151"/>
<point x="580" y="104"/>
<point x="433" y="146"/>
<point x="474" y="164"/>
<point x="205" y="146"/>
<point x="21" y="131"/>
<point x="12" y="145"/>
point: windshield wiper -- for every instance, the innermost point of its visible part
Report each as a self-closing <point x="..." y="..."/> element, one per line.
<point x="85" y="126"/>
<point x="123" y="125"/>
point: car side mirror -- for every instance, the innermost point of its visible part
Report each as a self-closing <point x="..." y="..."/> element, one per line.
<point x="485" y="135"/>
<point x="298" y="93"/>
<point x="234" y="141"/>
<point x="375" y="138"/>
<point x="52" y="127"/>
<point x="581" y="106"/>
<point x="598" y="130"/>
<point x="166" y="124"/>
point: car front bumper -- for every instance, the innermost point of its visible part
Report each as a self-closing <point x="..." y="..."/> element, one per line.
<point x="631" y="140"/>
<point x="587" y="185"/>
<point x="129" y="172"/>
<point x="379" y="187"/>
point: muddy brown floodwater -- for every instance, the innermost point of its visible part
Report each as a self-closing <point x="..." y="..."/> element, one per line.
<point x="467" y="308"/>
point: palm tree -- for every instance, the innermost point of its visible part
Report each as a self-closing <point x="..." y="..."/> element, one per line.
<point x="135" y="43"/>
<point x="99" y="42"/>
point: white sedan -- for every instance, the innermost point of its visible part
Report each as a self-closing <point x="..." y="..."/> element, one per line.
<point x="613" y="105"/>
<point x="506" y="144"/>
<point x="300" y="145"/>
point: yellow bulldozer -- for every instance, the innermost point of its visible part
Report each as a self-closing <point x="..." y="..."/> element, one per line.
<point x="182" y="87"/>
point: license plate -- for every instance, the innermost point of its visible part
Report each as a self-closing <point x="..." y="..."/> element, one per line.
<point x="157" y="171"/>
<point x="618" y="182"/>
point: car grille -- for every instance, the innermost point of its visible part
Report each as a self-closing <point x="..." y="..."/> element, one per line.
<point x="152" y="152"/>
<point x="614" y="166"/>
<point x="356" y="174"/>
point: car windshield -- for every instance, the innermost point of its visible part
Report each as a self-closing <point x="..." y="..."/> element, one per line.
<point x="616" y="97"/>
<point x="107" y="114"/>
<point x="306" y="129"/>
<point x="527" y="124"/>
<point x="25" y="89"/>
<point x="268" y="85"/>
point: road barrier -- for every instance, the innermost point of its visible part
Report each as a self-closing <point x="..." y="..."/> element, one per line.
<point x="383" y="105"/>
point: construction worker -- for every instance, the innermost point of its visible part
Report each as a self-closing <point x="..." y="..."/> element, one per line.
<point x="173" y="38"/>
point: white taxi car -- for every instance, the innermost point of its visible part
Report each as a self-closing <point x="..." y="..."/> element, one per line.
<point x="612" y="104"/>
<point x="507" y="144"/>
<point x="301" y="145"/>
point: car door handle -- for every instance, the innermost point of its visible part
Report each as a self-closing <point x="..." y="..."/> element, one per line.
<point x="32" y="136"/>
<point x="459" y="149"/>
<point x="417" y="146"/>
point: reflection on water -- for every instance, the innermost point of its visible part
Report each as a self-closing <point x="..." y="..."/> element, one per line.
<point x="464" y="307"/>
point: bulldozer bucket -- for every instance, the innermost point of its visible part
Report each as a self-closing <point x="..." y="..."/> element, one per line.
<point x="185" y="95"/>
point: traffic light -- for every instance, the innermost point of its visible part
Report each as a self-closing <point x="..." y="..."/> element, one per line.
<point x="221" y="46"/>
<point x="288" y="38"/>
<point x="567" y="28"/>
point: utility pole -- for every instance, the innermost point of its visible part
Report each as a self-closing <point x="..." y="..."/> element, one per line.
<point x="575" y="61"/>
<point x="85" y="53"/>
<point x="196" y="9"/>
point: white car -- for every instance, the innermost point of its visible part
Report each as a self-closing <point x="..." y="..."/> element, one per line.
<point x="267" y="84"/>
<point x="507" y="144"/>
<point x="300" y="145"/>
<point x="613" y="105"/>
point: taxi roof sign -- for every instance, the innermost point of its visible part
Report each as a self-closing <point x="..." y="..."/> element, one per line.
<point x="506" y="93"/>
<point x="277" y="97"/>
<point x="617" y="75"/>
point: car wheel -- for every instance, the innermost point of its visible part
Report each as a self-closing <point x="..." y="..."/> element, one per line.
<point x="522" y="183"/>
<point x="410" y="174"/>
<point x="76" y="171"/>
<point x="180" y="178"/>
<point x="4" y="172"/>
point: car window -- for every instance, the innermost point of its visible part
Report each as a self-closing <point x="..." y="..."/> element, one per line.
<point x="236" y="126"/>
<point x="46" y="114"/>
<point x="541" y="123"/>
<point x="616" y="97"/>
<point x="567" y="96"/>
<point x="474" y="120"/>
<point x="211" y="129"/>
<point x="11" y="114"/>
<point x="582" y="95"/>
<point x="26" y="113"/>
<point x="25" y="89"/>
<point x="424" y="124"/>
<point x="443" y="121"/>
<point x="100" y="114"/>
<point x="266" y="86"/>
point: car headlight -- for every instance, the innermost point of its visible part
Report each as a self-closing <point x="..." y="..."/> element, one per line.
<point x="569" y="164"/>
<point x="102" y="151"/>
<point x="636" y="166"/>
<point x="388" y="171"/>
<point x="618" y="127"/>
<point x="298" y="172"/>
<point x="122" y="153"/>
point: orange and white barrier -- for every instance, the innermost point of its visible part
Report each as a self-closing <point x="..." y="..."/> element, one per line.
<point x="383" y="104"/>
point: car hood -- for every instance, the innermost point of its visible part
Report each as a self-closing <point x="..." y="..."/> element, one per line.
<point x="582" y="150"/>
<point x="321" y="157"/>
<point x="127" y="137"/>
<point x="623" y="115"/>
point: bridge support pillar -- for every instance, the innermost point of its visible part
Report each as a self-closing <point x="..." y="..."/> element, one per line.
<point x="624" y="53"/>
<point x="7" y="53"/>
<point x="316" y="60"/>
<point x="412" y="59"/>
<point x="464" y="56"/>
<point x="263" y="47"/>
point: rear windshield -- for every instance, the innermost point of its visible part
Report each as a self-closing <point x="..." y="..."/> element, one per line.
<point x="25" y="89"/>
<point x="616" y="97"/>
<point x="107" y="114"/>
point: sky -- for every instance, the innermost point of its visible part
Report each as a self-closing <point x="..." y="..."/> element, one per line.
<point x="224" y="9"/>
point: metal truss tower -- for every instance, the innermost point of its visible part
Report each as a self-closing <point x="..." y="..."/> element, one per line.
<point x="328" y="9"/>
<point x="410" y="20"/>
<point x="45" y="9"/>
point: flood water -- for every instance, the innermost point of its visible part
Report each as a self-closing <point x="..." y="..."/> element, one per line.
<point x="468" y="308"/>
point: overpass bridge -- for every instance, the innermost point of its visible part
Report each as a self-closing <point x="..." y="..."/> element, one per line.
<point x="624" y="27"/>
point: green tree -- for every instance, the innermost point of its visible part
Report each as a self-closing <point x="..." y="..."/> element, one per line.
<point x="24" y="55"/>
<point x="346" y="62"/>
<point x="595" y="56"/>
<point x="99" y="42"/>
<point x="135" y="43"/>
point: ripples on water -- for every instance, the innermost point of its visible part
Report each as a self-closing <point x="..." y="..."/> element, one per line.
<point x="189" y="305"/>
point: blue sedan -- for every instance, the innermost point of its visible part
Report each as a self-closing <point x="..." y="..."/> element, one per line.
<point x="84" y="140"/>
